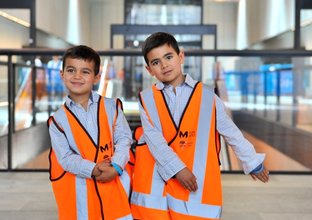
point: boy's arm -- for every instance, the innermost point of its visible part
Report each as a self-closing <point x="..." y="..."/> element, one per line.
<point x="242" y="148"/>
<point x="67" y="157"/>
<point x="122" y="140"/>
<point x="167" y="161"/>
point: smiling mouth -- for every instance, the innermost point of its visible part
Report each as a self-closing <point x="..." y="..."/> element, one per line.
<point x="167" y="72"/>
<point x="77" y="83"/>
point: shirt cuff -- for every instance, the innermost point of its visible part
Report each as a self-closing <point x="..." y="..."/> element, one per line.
<point x="252" y="164"/>
<point x="86" y="169"/>
<point x="170" y="169"/>
<point x="119" y="160"/>
<point x="258" y="169"/>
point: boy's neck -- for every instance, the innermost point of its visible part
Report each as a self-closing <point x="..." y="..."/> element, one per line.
<point x="81" y="99"/>
<point x="176" y="84"/>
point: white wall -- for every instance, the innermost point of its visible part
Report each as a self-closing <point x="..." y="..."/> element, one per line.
<point x="91" y="23"/>
<point x="88" y="22"/>
<point x="269" y="18"/>
<point x="270" y="25"/>
<point x="102" y="14"/>
<point x="66" y="19"/>
<point x="12" y="35"/>
<point x="78" y="21"/>
<point x="224" y="16"/>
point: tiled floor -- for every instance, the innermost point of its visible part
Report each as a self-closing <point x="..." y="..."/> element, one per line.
<point x="284" y="197"/>
<point x="28" y="195"/>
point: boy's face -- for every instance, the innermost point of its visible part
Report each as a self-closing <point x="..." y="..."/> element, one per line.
<point x="79" y="77"/>
<point x="165" y="64"/>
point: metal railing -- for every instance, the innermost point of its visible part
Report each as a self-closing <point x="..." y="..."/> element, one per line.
<point x="9" y="54"/>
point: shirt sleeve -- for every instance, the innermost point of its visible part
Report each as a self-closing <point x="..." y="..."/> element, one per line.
<point x="242" y="148"/>
<point x="167" y="161"/>
<point x="122" y="140"/>
<point x="70" y="160"/>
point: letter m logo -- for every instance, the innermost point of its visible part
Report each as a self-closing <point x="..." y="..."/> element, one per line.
<point x="105" y="148"/>
<point x="185" y="134"/>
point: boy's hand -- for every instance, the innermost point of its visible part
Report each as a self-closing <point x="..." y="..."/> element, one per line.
<point x="108" y="173"/>
<point x="187" y="179"/>
<point x="263" y="175"/>
<point x="96" y="172"/>
<point x="97" y="169"/>
<point x="105" y="163"/>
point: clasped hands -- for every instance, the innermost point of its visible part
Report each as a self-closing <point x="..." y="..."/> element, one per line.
<point x="104" y="172"/>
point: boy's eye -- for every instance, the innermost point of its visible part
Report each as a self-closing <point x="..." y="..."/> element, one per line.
<point x="70" y="70"/>
<point x="86" y="72"/>
<point x="169" y="57"/>
<point x="154" y="63"/>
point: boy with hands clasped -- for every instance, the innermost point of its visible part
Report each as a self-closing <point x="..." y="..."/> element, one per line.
<point x="177" y="169"/>
<point x="90" y="145"/>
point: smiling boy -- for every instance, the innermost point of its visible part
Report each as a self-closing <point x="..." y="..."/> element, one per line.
<point x="179" y="149"/>
<point x="90" y="145"/>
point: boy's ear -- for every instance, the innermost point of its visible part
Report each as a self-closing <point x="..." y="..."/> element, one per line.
<point x="149" y="70"/>
<point x="62" y="74"/>
<point x="181" y="55"/>
<point x="97" y="78"/>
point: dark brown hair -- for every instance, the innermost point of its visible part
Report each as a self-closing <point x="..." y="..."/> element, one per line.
<point x="85" y="53"/>
<point x="156" y="40"/>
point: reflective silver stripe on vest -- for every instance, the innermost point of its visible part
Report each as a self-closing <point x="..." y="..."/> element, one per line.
<point x="202" y="143"/>
<point x="148" y="98"/>
<point x="125" y="182"/>
<point x="128" y="217"/>
<point x="81" y="190"/>
<point x="194" y="208"/>
<point x="81" y="201"/>
<point x="111" y="112"/>
<point x="149" y="201"/>
<point x="156" y="199"/>
<point x="61" y="119"/>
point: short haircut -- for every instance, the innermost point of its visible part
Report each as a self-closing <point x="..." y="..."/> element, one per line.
<point x="85" y="53"/>
<point x="156" y="40"/>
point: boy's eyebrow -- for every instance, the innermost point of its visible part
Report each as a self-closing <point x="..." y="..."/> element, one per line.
<point x="84" y="68"/>
<point x="156" y="59"/>
<point x="87" y="68"/>
<point x="153" y="60"/>
<point x="170" y="53"/>
<point x="69" y="66"/>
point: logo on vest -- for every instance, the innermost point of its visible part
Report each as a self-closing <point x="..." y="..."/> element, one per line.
<point x="106" y="151"/>
<point x="105" y="148"/>
<point x="181" y="134"/>
<point x="186" y="138"/>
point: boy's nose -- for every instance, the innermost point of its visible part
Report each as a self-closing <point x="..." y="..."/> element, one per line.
<point x="163" y="64"/>
<point x="77" y="75"/>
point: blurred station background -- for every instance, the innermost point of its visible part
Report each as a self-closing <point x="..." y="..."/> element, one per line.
<point x="256" y="53"/>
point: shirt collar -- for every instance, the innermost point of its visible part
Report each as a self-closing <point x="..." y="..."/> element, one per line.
<point x="94" y="97"/>
<point x="188" y="81"/>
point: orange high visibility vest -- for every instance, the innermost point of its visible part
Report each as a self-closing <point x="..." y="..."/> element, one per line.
<point x="196" y="142"/>
<point x="104" y="200"/>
